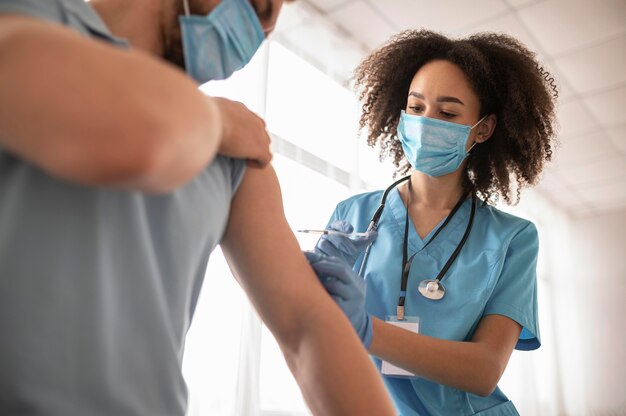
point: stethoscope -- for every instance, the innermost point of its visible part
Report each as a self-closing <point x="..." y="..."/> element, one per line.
<point x="429" y="288"/>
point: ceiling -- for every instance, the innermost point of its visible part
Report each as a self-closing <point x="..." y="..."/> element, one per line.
<point x="582" y="43"/>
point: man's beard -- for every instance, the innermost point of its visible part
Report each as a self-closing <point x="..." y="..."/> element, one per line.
<point x="172" y="41"/>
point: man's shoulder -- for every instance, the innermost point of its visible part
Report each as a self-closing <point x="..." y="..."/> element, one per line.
<point x="53" y="10"/>
<point x="76" y="15"/>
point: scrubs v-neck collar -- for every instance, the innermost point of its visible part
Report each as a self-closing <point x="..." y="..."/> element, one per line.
<point x="397" y="208"/>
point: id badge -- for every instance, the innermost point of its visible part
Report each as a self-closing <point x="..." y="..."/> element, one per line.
<point x="410" y="323"/>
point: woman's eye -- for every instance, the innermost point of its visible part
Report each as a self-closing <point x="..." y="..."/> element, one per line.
<point x="415" y="108"/>
<point x="447" y="115"/>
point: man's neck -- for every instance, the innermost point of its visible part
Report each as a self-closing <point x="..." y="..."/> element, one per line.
<point x="138" y="21"/>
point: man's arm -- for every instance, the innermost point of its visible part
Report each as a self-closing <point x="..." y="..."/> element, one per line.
<point x="88" y="112"/>
<point x="327" y="359"/>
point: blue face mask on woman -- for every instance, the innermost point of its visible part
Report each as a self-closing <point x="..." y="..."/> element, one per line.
<point x="222" y="42"/>
<point x="434" y="147"/>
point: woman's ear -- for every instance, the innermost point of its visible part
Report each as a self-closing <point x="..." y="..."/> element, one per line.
<point x="486" y="128"/>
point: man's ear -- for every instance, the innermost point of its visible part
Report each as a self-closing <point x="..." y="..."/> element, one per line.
<point x="486" y="128"/>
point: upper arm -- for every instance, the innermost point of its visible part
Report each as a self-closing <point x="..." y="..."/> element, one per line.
<point x="84" y="110"/>
<point x="515" y="292"/>
<point x="512" y="306"/>
<point x="48" y="74"/>
<point x="266" y="258"/>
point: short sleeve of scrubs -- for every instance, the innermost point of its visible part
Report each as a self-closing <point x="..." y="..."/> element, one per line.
<point x="357" y="210"/>
<point x="334" y="217"/>
<point x="515" y="293"/>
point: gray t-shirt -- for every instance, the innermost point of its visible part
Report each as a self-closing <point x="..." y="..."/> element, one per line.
<point x="98" y="286"/>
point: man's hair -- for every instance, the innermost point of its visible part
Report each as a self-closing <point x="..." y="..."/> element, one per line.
<point x="509" y="83"/>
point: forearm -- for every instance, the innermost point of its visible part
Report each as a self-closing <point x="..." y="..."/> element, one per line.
<point x="336" y="377"/>
<point x="90" y="113"/>
<point x="329" y="363"/>
<point x="468" y="366"/>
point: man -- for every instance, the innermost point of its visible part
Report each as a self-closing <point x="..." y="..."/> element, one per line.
<point x="117" y="179"/>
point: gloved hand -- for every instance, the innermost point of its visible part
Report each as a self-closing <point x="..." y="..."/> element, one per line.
<point x="347" y="289"/>
<point x="341" y="246"/>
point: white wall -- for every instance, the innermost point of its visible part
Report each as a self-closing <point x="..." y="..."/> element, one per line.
<point x="534" y="380"/>
<point x="599" y="277"/>
<point x="580" y="368"/>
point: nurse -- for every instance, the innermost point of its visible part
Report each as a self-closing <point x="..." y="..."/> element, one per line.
<point x="451" y="280"/>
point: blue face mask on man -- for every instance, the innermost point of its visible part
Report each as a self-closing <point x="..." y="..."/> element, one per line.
<point x="434" y="147"/>
<point x="222" y="42"/>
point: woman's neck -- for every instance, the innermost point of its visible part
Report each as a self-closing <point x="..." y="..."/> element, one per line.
<point x="441" y="193"/>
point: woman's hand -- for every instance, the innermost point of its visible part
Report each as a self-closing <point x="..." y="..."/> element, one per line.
<point x="342" y="246"/>
<point x="347" y="289"/>
<point x="243" y="133"/>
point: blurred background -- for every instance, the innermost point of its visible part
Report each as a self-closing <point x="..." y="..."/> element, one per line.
<point x="299" y="82"/>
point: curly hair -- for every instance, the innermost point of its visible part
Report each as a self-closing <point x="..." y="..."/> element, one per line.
<point x="509" y="83"/>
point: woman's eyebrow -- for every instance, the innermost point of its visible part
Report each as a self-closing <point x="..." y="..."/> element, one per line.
<point x="444" y="98"/>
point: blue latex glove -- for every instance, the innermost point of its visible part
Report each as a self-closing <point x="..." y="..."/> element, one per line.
<point x="347" y="289"/>
<point x="341" y="246"/>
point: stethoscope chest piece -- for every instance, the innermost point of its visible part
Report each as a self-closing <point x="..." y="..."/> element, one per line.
<point x="432" y="289"/>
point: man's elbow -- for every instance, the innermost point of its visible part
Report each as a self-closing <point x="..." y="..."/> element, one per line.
<point x="173" y="148"/>
<point x="289" y="335"/>
<point x="293" y="330"/>
<point x="290" y="346"/>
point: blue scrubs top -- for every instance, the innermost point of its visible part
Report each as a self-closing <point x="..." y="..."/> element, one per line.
<point x="495" y="273"/>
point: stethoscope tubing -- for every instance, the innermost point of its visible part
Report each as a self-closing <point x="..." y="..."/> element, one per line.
<point x="373" y="226"/>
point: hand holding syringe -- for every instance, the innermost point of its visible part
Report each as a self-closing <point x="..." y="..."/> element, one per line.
<point x="340" y="240"/>
<point x="334" y="232"/>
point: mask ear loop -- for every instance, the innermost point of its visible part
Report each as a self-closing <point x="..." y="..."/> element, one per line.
<point x="186" y="7"/>
<point x="477" y="123"/>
